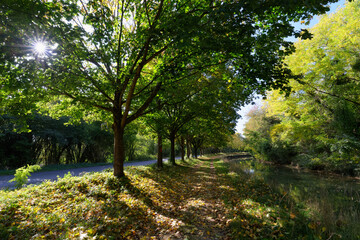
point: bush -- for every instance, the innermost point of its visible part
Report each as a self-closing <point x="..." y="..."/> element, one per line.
<point x="316" y="164"/>
<point x="21" y="175"/>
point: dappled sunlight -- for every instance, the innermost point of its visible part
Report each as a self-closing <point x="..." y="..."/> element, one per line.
<point x="233" y="174"/>
<point x="255" y="218"/>
<point x="194" y="203"/>
<point x="226" y="188"/>
<point x="166" y="223"/>
<point x="200" y="172"/>
<point x="208" y="178"/>
<point x="256" y="209"/>
<point x="179" y="202"/>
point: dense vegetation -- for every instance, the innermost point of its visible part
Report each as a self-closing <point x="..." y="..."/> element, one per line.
<point x="50" y="141"/>
<point x="317" y="125"/>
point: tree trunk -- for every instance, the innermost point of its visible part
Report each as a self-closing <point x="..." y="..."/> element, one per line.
<point x="188" y="149"/>
<point x="182" y="146"/>
<point x="119" y="150"/>
<point x="172" y="152"/>
<point x="160" y="154"/>
<point x="195" y="151"/>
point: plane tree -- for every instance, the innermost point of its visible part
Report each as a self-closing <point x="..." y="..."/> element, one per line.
<point x="110" y="59"/>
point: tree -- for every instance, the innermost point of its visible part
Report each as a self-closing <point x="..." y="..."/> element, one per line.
<point x="320" y="118"/>
<point x="112" y="58"/>
<point x="211" y="99"/>
<point x="216" y="118"/>
<point x="171" y="119"/>
<point x="260" y="141"/>
<point x="175" y="109"/>
<point x="235" y="143"/>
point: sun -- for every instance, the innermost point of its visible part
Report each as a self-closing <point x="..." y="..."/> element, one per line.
<point x="40" y="48"/>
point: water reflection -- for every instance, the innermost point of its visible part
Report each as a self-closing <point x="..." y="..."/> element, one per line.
<point x="249" y="171"/>
<point x="331" y="199"/>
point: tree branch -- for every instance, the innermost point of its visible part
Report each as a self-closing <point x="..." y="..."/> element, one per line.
<point x="83" y="100"/>
<point x="146" y="104"/>
<point x="93" y="81"/>
<point x="327" y="93"/>
<point x="118" y="62"/>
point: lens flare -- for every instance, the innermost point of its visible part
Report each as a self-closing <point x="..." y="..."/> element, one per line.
<point x="40" y="48"/>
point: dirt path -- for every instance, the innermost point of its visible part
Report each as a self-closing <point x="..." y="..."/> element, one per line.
<point x="203" y="208"/>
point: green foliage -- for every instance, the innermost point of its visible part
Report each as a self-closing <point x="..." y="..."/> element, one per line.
<point x="320" y="117"/>
<point x="67" y="175"/>
<point x="236" y="143"/>
<point x="260" y="142"/>
<point x="329" y="207"/>
<point x="22" y="174"/>
<point x="108" y="61"/>
<point x="52" y="141"/>
<point x="139" y="146"/>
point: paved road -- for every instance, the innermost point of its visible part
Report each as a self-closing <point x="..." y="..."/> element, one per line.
<point x="38" y="177"/>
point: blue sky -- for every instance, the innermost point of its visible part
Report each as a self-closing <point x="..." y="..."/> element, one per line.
<point x="241" y="122"/>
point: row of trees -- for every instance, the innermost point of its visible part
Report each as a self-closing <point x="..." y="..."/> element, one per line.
<point x="53" y="141"/>
<point x="318" y="124"/>
<point x="119" y="60"/>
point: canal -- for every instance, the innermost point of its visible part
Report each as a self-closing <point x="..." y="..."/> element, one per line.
<point x="330" y="200"/>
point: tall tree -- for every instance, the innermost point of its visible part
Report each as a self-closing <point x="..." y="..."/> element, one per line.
<point x="320" y="118"/>
<point x="116" y="56"/>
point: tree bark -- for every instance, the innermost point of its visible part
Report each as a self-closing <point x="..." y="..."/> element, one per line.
<point x="188" y="149"/>
<point x="160" y="154"/>
<point x="195" y="149"/>
<point x="182" y="145"/>
<point x="119" y="150"/>
<point x="172" y="152"/>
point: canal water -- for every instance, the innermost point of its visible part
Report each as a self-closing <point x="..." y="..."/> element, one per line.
<point x="332" y="200"/>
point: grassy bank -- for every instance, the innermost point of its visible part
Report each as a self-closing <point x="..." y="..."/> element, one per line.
<point x="200" y="199"/>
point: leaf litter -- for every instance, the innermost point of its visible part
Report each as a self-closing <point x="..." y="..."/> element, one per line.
<point x="196" y="200"/>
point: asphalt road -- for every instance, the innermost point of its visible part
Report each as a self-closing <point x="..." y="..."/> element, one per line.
<point x="38" y="177"/>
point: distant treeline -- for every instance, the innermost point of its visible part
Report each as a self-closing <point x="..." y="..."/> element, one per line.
<point x="51" y="141"/>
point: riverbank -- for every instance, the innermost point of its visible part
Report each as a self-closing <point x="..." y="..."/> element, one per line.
<point x="199" y="199"/>
<point x="322" y="172"/>
<point x="331" y="203"/>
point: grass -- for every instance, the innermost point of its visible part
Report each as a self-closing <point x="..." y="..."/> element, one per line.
<point x="259" y="212"/>
<point x="199" y="199"/>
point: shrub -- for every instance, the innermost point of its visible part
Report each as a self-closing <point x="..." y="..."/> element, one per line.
<point x="21" y="175"/>
<point x="316" y="164"/>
